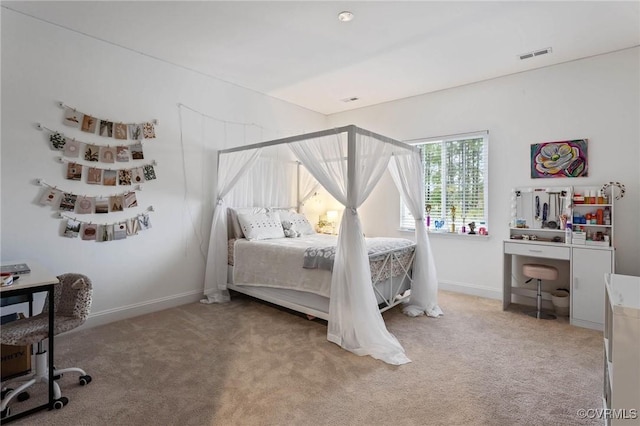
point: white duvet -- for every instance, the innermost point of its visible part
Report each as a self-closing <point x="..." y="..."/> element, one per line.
<point x="278" y="263"/>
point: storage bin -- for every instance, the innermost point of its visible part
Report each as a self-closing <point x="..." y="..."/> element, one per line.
<point x="14" y="360"/>
<point x="560" y="300"/>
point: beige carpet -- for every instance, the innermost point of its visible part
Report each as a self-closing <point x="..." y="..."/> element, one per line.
<point x="248" y="363"/>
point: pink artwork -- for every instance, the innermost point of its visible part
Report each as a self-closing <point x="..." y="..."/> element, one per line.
<point x="559" y="159"/>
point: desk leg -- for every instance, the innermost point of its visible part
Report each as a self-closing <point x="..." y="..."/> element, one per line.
<point x="50" y="354"/>
<point x="506" y="281"/>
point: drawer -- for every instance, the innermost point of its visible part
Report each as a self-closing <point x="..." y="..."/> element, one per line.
<point x="538" y="250"/>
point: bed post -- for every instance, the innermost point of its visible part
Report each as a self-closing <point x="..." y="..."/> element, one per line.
<point x="298" y="187"/>
<point x="351" y="161"/>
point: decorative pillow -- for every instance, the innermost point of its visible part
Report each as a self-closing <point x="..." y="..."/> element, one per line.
<point x="261" y="226"/>
<point x="234" y="228"/>
<point x="299" y="222"/>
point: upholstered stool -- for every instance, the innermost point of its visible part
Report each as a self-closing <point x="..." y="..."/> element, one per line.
<point x="539" y="273"/>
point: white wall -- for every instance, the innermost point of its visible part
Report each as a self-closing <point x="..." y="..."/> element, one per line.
<point x="43" y="64"/>
<point x="596" y="98"/>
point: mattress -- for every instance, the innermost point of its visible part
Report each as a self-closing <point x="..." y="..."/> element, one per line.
<point x="278" y="263"/>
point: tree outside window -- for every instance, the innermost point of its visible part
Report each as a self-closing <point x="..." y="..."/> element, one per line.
<point x="455" y="173"/>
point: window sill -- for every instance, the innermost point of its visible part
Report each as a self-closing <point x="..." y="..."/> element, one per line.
<point x="442" y="234"/>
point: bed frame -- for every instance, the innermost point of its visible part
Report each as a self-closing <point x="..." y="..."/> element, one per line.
<point x="389" y="292"/>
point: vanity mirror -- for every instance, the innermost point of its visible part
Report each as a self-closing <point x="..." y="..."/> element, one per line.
<point x="580" y="215"/>
<point x="540" y="213"/>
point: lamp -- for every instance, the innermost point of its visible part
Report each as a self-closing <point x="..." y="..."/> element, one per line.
<point x="332" y="216"/>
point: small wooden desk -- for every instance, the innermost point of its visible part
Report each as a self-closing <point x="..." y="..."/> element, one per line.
<point x="38" y="280"/>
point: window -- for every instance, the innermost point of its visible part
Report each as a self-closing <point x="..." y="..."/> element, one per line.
<point x="455" y="175"/>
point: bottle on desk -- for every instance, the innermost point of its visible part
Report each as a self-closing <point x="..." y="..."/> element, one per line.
<point x="568" y="234"/>
<point x="607" y="216"/>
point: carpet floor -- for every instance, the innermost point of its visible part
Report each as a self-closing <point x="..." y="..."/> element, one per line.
<point x="250" y="363"/>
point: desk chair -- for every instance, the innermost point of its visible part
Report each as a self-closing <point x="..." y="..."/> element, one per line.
<point x="72" y="302"/>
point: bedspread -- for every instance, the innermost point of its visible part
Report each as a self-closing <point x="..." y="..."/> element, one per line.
<point x="323" y="257"/>
<point x="278" y="262"/>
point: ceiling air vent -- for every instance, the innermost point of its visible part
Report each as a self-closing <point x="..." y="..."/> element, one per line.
<point x="351" y="99"/>
<point x="535" y="53"/>
<point x="542" y="51"/>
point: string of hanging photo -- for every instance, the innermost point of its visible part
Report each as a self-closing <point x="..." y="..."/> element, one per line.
<point x="68" y="202"/>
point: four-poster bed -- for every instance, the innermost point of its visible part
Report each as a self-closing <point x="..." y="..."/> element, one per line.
<point x="269" y="178"/>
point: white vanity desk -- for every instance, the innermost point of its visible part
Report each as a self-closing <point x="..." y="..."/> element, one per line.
<point x="584" y="266"/>
<point x="538" y="213"/>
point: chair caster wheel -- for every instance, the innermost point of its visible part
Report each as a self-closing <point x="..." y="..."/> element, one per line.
<point x="6" y="392"/>
<point x="5" y="413"/>
<point x="85" y="380"/>
<point x="60" y="402"/>
<point x="23" y="396"/>
<point x="57" y="376"/>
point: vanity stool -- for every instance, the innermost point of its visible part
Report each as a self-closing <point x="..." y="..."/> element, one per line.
<point x="539" y="273"/>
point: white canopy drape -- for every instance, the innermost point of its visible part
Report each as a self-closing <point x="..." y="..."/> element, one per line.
<point x="408" y="174"/>
<point x="307" y="187"/>
<point x="269" y="182"/>
<point x="349" y="170"/>
<point x="348" y="162"/>
<point x="236" y="165"/>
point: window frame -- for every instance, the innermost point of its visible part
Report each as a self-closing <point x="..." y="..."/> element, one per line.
<point x="406" y="217"/>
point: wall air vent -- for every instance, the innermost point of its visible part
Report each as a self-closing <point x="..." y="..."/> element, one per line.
<point x="351" y="99"/>
<point x="535" y="53"/>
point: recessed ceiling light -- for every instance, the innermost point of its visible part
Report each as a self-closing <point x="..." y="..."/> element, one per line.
<point x="345" y="16"/>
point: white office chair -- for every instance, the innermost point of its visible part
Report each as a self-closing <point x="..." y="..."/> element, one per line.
<point x="72" y="303"/>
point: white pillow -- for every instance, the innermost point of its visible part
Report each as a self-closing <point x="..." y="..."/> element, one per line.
<point x="261" y="226"/>
<point x="299" y="222"/>
<point x="235" y="230"/>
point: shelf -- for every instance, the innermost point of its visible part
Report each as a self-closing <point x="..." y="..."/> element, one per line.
<point x="537" y="230"/>
<point x="591" y="205"/>
<point x="607" y="360"/>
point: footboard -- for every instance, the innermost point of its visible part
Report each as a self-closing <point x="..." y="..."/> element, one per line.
<point x="391" y="276"/>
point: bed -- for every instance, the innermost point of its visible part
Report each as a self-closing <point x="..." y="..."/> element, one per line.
<point x="358" y="284"/>
<point x="286" y="271"/>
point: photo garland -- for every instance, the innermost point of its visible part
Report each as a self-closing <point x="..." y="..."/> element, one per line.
<point x="110" y="177"/>
<point x="90" y="231"/>
<point x="104" y="127"/>
<point x="82" y="204"/>
<point x="72" y="148"/>
<point x="70" y="202"/>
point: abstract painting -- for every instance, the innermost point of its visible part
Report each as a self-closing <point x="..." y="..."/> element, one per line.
<point x="559" y="159"/>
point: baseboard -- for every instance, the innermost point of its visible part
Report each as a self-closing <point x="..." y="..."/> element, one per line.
<point x="471" y="289"/>
<point x="129" y="311"/>
<point x="142" y="308"/>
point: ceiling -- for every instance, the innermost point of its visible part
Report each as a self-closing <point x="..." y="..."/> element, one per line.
<point x="301" y="53"/>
